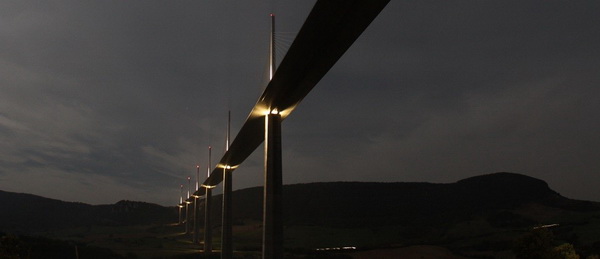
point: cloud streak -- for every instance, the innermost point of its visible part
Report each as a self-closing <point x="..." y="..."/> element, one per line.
<point x="116" y="100"/>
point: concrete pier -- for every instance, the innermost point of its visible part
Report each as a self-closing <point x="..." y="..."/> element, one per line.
<point x="226" y="233"/>
<point x="207" y="224"/>
<point x="272" y="214"/>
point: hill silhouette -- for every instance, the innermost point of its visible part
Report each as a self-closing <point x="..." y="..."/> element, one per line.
<point x="346" y="204"/>
<point x="482" y="213"/>
<point x="25" y="213"/>
<point x="339" y="204"/>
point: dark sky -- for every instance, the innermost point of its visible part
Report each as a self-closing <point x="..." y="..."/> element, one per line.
<point x="108" y="100"/>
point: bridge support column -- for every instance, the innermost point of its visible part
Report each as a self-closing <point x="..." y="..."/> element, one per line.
<point x="187" y="217"/>
<point x="272" y="203"/>
<point x="180" y="215"/>
<point x="207" y="224"/>
<point x="196" y="229"/>
<point x="226" y="233"/>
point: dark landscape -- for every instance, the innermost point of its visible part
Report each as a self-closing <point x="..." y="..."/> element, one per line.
<point x="478" y="217"/>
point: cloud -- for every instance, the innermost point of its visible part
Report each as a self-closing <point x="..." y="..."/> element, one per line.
<point x="123" y="98"/>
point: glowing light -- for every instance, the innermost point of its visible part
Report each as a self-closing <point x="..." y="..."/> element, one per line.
<point x="228" y="167"/>
<point x="336" y="248"/>
<point x="262" y="111"/>
<point x="547" y="226"/>
<point x="209" y="186"/>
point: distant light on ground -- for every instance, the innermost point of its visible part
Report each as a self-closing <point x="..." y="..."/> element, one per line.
<point x="337" y="248"/>
<point x="547" y="226"/>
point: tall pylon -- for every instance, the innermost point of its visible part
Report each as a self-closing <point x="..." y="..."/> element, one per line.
<point x="227" y="216"/>
<point x="187" y="207"/>
<point x="272" y="200"/>
<point x="196" y="226"/>
<point x="207" y="211"/>
<point x="180" y="205"/>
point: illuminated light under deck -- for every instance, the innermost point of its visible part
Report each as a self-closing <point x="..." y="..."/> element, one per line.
<point x="228" y="167"/>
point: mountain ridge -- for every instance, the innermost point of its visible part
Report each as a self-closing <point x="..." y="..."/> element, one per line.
<point x="28" y="213"/>
<point x="346" y="204"/>
<point x="480" y="215"/>
<point x="340" y="204"/>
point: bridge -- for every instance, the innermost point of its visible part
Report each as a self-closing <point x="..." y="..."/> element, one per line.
<point x="329" y="30"/>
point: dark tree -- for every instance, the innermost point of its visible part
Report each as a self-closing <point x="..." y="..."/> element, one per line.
<point x="537" y="244"/>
